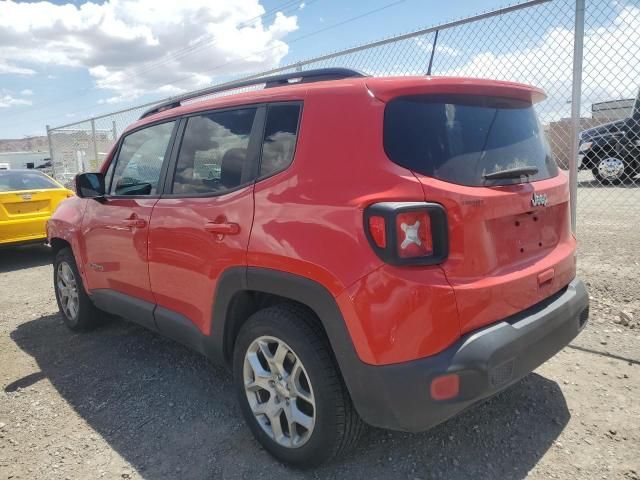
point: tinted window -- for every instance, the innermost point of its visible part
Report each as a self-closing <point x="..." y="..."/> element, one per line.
<point x="460" y="138"/>
<point x="213" y="152"/>
<point x="279" y="138"/>
<point x="30" y="180"/>
<point x="137" y="170"/>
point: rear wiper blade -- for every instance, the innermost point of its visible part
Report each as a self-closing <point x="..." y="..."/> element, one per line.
<point x="511" y="173"/>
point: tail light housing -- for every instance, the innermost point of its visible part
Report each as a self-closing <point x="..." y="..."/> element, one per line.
<point x="408" y="233"/>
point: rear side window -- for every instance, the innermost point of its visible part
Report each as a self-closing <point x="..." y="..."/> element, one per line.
<point x="140" y="160"/>
<point x="280" y="134"/>
<point x="460" y="138"/>
<point x="213" y="153"/>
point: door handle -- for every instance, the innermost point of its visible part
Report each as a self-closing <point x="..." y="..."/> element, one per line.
<point x="223" y="228"/>
<point x="134" y="222"/>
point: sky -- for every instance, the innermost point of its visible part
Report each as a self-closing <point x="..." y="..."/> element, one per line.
<point x="62" y="62"/>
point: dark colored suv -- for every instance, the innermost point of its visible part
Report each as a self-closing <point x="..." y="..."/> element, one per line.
<point x="612" y="150"/>
<point x="386" y="250"/>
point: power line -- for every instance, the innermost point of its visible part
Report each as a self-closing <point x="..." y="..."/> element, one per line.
<point x="208" y="39"/>
<point x="300" y="38"/>
<point x="197" y="46"/>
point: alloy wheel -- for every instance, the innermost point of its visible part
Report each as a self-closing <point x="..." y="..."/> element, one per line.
<point x="279" y="392"/>
<point x="67" y="290"/>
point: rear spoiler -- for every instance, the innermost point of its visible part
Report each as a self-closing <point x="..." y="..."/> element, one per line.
<point x="384" y="89"/>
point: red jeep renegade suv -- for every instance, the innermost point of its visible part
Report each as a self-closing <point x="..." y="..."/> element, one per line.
<point x="357" y="249"/>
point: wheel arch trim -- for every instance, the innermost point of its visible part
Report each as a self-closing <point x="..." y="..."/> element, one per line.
<point x="302" y="290"/>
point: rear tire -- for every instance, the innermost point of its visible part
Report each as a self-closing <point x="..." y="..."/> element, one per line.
<point x="612" y="170"/>
<point x="271" y="389"/>
<point x="77" y="310"/>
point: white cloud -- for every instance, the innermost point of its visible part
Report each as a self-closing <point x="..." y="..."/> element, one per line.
<point x="7" y="100"/>
<point x="26" y="92"/>
<point x="302" y="5"/>
<point x="441" y="49"/>
<point x="6" y="68"/>
<point x="131" y="47"/>
<point x="610" y="64"/>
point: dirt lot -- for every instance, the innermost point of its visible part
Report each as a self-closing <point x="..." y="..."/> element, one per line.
<point x="123" y="403"/>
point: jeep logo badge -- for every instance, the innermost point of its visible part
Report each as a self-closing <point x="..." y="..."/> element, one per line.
<point x="539" y="200"/>
<point x="26" y="196"/>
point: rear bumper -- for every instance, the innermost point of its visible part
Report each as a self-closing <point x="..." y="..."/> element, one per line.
<point x="487" y="360"/>
<point x="24" y="230"/>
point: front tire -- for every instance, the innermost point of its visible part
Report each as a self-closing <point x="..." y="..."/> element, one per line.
<point x="76" y="308"/>
<point x="290" y="391"/>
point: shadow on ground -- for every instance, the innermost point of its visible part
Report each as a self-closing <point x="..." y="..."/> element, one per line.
<point x="20" y="258"/>
<point x="172" y="415"/>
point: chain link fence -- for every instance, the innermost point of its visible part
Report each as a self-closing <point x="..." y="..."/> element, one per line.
<point x="536" y="42"/>
<point x="609" y="150"/>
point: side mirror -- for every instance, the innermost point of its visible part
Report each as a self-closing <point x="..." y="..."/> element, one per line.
<point x="90" y="185"/>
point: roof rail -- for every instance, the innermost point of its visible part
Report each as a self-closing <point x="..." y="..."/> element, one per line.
<point x="308" y="76"/>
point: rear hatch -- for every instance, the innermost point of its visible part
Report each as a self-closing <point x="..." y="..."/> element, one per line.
<point x="478" y="149"/>
<point x="27" y="199"/>
<point x="29" y="203"/>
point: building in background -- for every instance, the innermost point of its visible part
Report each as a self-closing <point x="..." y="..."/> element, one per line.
<point x="25" y="159"/>
<point x="612" y="110"/>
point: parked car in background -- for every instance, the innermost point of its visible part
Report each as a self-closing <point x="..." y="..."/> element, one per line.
<point x="357" y="250"/>
<point x="27" y="200"/>
<point x="612" y="150"/>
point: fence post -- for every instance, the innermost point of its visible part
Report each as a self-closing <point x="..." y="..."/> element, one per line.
<point x="53" y="167"/>
<point x="433" y="52"/>
<point x="95" y="143"/>
<point x="115" y="131"/>
<point x="576" y="99"/>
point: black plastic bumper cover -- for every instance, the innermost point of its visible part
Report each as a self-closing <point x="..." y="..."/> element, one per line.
<point x="487" y="361"/>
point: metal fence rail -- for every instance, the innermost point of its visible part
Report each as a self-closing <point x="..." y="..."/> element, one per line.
<point x="582" y="57"/>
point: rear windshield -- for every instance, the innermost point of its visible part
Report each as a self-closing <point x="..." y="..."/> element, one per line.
<point x="460" y="138"/>
<point x="20" y="180"/>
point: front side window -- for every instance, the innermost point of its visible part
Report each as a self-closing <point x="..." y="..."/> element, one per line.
<point x="139" y="162"/>
<point x="213" y="153"/>
<point x="280" y="135"/>
<point x="462" y="138"/>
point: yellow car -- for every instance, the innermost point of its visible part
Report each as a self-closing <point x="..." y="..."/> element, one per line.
<point x="27" y="200"/>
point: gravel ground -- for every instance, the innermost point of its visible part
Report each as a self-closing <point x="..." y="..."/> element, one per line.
<point x="122" y="403"/>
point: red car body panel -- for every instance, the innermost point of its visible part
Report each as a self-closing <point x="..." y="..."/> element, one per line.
<point x="388" y="88"/>
<point x="394" y="314"/>
<point x="499" y="245"/>
<point x="308" y="220"/>
<point x="65" y="224"/>
<point x="186" y="260"/>
<point x="115" y="237"/>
